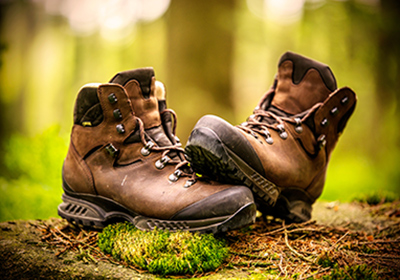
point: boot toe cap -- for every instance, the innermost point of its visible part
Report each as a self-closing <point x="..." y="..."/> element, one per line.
<point x="215" y="134"/>
<point x="225" y="203"/>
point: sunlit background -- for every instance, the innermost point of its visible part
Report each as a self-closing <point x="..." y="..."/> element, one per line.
<point x="215" y="57"/>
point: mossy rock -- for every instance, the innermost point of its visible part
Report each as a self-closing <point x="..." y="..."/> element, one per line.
<point x="163" y="252"/>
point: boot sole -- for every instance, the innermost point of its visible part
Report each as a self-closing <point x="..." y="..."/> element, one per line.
<point x="97" y="212"/>
<point x="210" y="156"/>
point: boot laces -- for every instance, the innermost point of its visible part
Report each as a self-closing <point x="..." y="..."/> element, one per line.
<point x="173" y="154"/>
<point x="262" y="121"/>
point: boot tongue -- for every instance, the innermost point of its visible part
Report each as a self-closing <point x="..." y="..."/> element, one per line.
<point x="140" y="87"/>
<point x="266" y="105"/>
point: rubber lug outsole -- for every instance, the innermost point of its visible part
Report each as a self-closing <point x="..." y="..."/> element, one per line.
<point x="210" y="156"/>
<point x="98" y="212"/>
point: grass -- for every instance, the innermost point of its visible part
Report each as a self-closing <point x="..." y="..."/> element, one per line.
<point x="163" y="252"/>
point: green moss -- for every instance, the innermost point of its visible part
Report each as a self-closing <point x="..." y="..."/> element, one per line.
<point x="360" y="248"/>
<point x="163" y="252"/>
<point x="351" y="273"/>
<point x="325" y="260"/>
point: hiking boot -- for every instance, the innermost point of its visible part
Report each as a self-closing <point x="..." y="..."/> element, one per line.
<point x="125" y="163"/>
<point x="282" y="151"/>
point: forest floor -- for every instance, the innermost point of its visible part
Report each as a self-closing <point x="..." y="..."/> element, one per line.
<point x="343" y="240"/>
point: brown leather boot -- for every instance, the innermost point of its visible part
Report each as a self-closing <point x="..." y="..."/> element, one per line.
<point x="284" y="147"/>
<point x="124" y="162"/>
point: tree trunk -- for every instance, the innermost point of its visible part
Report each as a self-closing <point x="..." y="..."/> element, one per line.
<point x="199" y="59"/>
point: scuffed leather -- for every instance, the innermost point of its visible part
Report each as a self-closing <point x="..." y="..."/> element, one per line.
<point x="300" y="161"/>
<point x="144" y="188"/>
<point x="128" y="178"/>
<point x="285" y="161"/>
<point x="76" y="173"/>
<point x="290" y="97"/>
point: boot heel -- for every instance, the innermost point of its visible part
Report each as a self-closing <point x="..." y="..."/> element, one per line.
<point x="293" y="211"/>
<point x="299" y="211"/>
<point x="81" y="212"/>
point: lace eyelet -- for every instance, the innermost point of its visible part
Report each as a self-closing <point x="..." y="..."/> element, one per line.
<point x="112" y="98"/>
<point x="334" y="111"/>
<point x="161" y="163"/>
<point x="282" y="132"/>
<point x="269" y="140"/>
<point x="117" y="114"/>
<point x="189" y="183"/>
<point x="268" y="137"/>
<point x="254" y="135"/>
<point x="120" y="128"/>
<point x="111" y="150"/>
<point x="175" y="176"/>
<point x="146" y="150"/>
<point x="321" y="141"/>
<point x="298" y="128"/>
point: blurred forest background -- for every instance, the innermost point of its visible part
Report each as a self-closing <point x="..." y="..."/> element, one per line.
<point x="215" y="57"/>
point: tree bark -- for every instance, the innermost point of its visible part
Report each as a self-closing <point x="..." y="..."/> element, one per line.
<point x="199" y="59"/>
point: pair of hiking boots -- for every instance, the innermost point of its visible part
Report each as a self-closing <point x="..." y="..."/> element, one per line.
<point x="125" y="163"/>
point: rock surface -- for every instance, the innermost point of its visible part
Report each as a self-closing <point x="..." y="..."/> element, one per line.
<point x="25" y="255"/>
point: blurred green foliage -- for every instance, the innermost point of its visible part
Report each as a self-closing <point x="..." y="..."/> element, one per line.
<point x="377" y="197"/>
<point x="215" y="57"/>
<point x="32" y="188"/>
<point x="38" y="158"/>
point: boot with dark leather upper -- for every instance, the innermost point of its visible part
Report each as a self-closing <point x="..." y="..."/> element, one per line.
<point x="282" y="151"/>
<point x="125" y="163"/>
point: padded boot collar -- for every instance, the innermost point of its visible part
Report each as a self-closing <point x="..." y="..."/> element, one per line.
<point x="140" y="87"/>
<point x="143" y="76"/>
<point x="302" y="64"/>
<point x="301" y="83"/>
